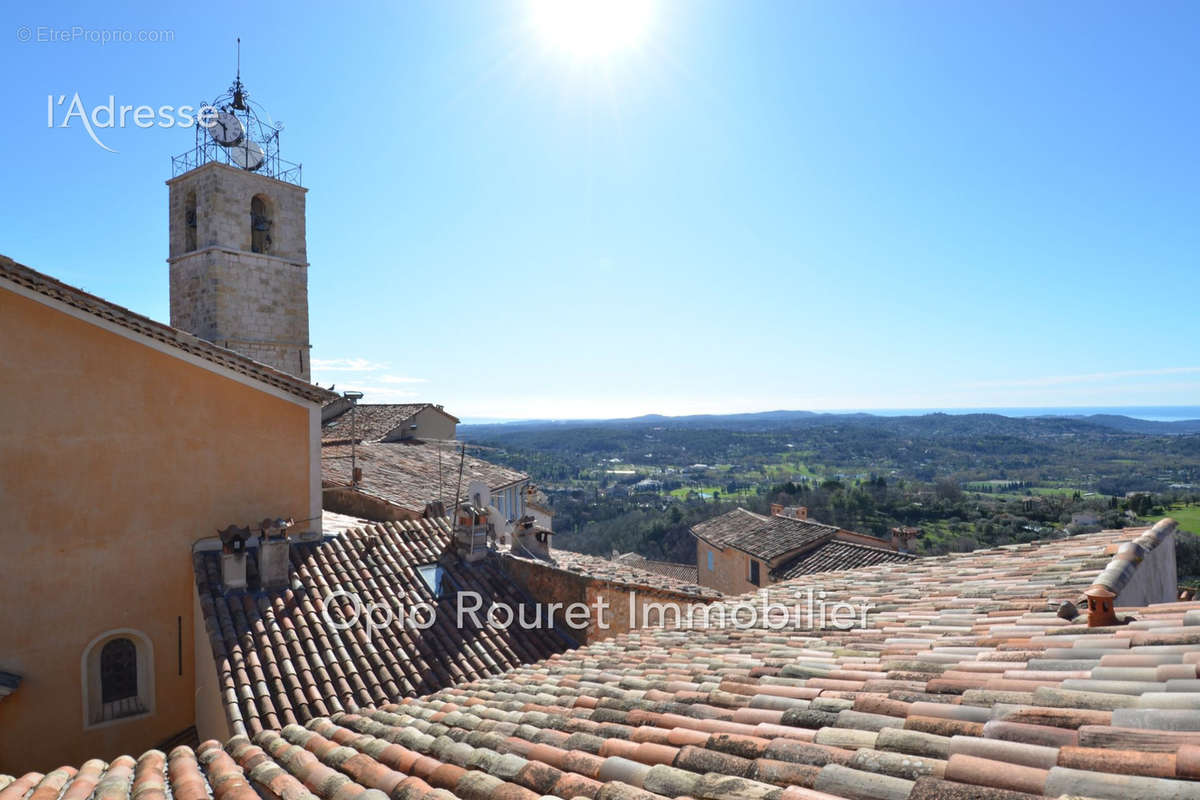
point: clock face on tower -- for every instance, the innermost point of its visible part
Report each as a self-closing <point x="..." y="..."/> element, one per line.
<point x="248" y="154"/>
<point x="226" y="129"/>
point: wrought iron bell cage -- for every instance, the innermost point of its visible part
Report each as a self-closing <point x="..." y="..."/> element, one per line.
<point x="257" y="127"/>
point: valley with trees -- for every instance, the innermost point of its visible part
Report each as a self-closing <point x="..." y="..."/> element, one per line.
<point x="967" y="480"/>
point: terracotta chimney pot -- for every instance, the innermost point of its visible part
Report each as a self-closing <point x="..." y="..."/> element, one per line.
<point x="1100" y="607"/>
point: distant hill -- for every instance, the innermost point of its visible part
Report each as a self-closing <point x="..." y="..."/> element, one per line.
<point x="1134" y="425"/>
<point x="922" y="423"/>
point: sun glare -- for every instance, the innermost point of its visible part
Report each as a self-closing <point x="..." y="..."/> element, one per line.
<point x="589" y="29"/>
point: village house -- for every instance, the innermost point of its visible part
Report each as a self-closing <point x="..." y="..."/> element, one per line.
<point x="343" y="419"/>
<point x="403" y="480"/>
<point x="129" y="441"/>
<point x="408" y="467"/>
<point x="537" y="505"/>
<point x="741" y="551"/>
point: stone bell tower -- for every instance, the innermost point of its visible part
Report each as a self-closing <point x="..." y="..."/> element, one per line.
<point x="238" y="258"/>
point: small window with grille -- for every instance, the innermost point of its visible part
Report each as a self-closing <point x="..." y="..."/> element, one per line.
<point x="118" y="680"/>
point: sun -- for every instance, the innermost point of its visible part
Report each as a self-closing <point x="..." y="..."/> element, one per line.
<point x="589" y="29"/>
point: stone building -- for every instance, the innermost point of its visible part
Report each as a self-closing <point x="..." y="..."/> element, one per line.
<point x="239" y="264"/>
<point x="742" y="551"/>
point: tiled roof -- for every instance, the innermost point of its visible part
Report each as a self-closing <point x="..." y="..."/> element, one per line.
<point x="836" y="555"/>
<point x="688" y="573"/>
<point x="965" y="684"/>
<point x="769" y="537"/>
<point x="333" y="522"/>
<point x="279" y="660"/>
<point x="375" y="421"/>
<point x="35" y="281"/>
<point x="719" y="530"/>
<point x="779" y="535"/>
<point x="410" y="474"/>
<point x="620" y="572"/>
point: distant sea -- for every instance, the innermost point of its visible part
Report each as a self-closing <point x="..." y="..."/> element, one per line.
<point x="1151" y="413"/>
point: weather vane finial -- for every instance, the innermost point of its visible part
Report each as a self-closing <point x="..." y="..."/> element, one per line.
<point x="239" y="91"/>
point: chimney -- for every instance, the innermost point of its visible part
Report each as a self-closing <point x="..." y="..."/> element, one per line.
<point x="903" y="537"/>
<point x="273" y="553"/>
<point x="471" y="529"/>
<point x="802" y="513"/>
<point x="1100" y="607"/>
<point x="535" y="540"/>
<point x="233" y="556"/>
<point x="776" y="509"/>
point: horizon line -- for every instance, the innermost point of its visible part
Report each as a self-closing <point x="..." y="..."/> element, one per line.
<point x="880" y="411"/>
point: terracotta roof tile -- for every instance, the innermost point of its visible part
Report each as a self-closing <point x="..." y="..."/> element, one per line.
<point x="835" y="555"/>
<point x="280" y="661"/>
<point x="411" y="474"/>
<point x="374" y="422"/>
<point x="664" y="712"/>
<point x="685" y="573"/>
<point x="719" y="530"/>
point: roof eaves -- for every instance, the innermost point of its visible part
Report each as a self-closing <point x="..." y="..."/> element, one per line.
<point x="46" y="286"/>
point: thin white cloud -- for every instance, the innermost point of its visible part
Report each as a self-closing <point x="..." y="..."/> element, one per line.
<point x="1091" y="377"/>
<point x="401" y="379"/>
<point x="348" y="365"/>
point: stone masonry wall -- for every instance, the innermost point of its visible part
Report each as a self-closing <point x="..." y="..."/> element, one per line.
<point x="252" y="303"/>
<point x="549" y="584"/>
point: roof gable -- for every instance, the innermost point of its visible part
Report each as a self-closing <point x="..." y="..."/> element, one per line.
<point x="177" y="342"/>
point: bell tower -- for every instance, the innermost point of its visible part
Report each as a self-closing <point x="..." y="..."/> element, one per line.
<point x="238" y="257"/>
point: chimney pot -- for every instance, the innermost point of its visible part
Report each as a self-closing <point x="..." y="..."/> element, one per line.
<point x="273" y="562"/>
<point x="1100" y="607"/>
<point x="802" y="513"/>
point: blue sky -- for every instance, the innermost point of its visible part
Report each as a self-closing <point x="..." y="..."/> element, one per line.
<point x="758" y="205"/>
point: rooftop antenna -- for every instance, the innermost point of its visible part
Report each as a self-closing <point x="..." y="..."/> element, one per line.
<point x="458" y="489"/>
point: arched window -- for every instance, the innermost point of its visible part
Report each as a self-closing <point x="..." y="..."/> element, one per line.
<point x="118" y="677"/>
<point x="118" y="671"/>
<point x="260" y="224"/>
<point x="189" y="222"/>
